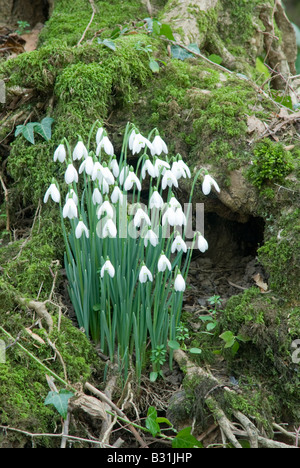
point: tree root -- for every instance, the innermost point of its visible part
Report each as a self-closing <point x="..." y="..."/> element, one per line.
<point x="231" y="431"/>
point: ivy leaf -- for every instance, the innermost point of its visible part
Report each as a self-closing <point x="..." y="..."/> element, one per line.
<point x="108" y="43"/>
<point x="151" y="421"/>
<point x="166" y="30"/>
<point x="181" y="54"/>
<point x="27" y="132"/>
<point x="44" y="128"/>
<point x="184" y="439"/>
<point x="60" y="401"/>
<point x="153" y="64"/>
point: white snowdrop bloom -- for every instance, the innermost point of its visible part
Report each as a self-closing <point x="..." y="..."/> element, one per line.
<point x="156" y="200"/>
<point x="130" y="180"/>
<point x="178" y="244"/>
<point x="108" y="175"/>
<point x="70" y="209"/>
<point x="148" y="167"/>
<point x="72" y="194"/>
<point x="161" y="166"/>
<point x="131" y="139"/>
<point x="158" y="146"/>
<point x="169" y="216"/>
<point x="151" y="237"/>
<point x="104" y="186"/>
<point x="60" y="153"/>
<point x="139" y="216"/>
<point x="180" y="218"/>
<point x="139" y="142"/>
<point x="207" y="184"/>
<point x="117" y="195"/>
<point x="123" y="174"/>
<point x="52" y="192"/>
<point x="114" y="166"/>
<point x="80" y="151"/>
<point x="107" y="268"/>
<point x="87" y="165"/>
<point x="80" y="228"/>
<point x="109" y="229"/>
<point x="184" y="167"/>
<point x="71" y="174"/>
<point x="97" y="198"/>
<point x="99" y="135"/>
<point x="163" y="263"/>
<point x="107" y="208"/>
<point x="97" y="172"/>
<point x="169" y="180"/>
<point x="177" y="170"/>
<point x="106" y="144"/>
<point x="174" y="203"/>
<point x="145" y="275"/>
<point x="202" y="243"/>
<point x="179" y="284"/>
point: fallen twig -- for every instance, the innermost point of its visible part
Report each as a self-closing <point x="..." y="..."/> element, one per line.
<point x="90" y="22"/>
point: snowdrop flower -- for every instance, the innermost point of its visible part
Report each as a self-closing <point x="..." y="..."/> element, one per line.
<point x="151" y="237"/>
<point x="70" y="209"/>
<point x="158" y="146"/>
<point x="71" y="174"/>
<point x="107" y="208"/>
<point x="169" y="180"/>
<point x="108" y="175"/>
<point x="114" y="166"/>
<point x="139" y="142"/>
<point x="72" y="194"/>
<point x="174" y="203"/>
<point x="117" y="195"/>
<point x="97" y="198"/>
<point x="87" y="165"/>
<point x="207" y="183"/>
<point x="179" y="284"/>
<point x="161" y="166"/>
<point x="107" y="145"/>
<point x="53" y="192"/>
<point x="109" y="229"/>
<point x="131" y="139"/>
<point x="139" y="216"/>
<point x="156" y="200"/>
<point x="177" y="170"/>
<point x="145" y="275"/>
<point x="184" y="167"/>
<point x="104" y="186"/>
<point x="178" y="244"/>
<point x="130" y="180"/>
<point x="109" y="268"/>
<point x="202" y="243"/>
<point x="148" y="167"/>
<point x="180" y="218"/>
<point x="169" y="216"/>
<point x="163" y="263"/>
<point x="60" y="153"/>
<point x="81" y="227"/>
<point x="80" y="151"/>
<point x="97" y="172"/>
<point x="99" y="135"/>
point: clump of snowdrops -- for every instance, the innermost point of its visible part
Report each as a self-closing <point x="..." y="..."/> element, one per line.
<point x="126" y="256"/>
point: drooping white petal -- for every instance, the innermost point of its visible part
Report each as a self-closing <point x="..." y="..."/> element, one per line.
<point x="70" y="209"/>
<point x="202" y="243"/>
<point x="99" y="135"/>
<point x="161" y="166"/>
<point x="117" y="195"/>
<point x="130" y="180"/>
<point x="87" y="165"/>
<point x="178" y="244"/>
<point x="145" y="275"/>
<point x="184" y="167"/>
<point x="109" y="229"/>
<point x="169" y="180"/>
<point x="207" y="183"/>
<point x="60" y="153"/>
<point x="71" y="174"/>
<point x="80" y="228"/>
<point x="97" y="198"/>
<point x="151" y="237"/>
<point x="107" y="208"/>
<point x="156" y="200"/>
<point x="114" y="166"/>
<point x="148" y="167"/>
<point x="158" y="146"/>
<point x="80" y="151"/>
<point x="169" y="216"/>
<point x="163" y="263"/>
<point x="52" y="192"/>
<point x="139" y="216"/>
<point x="179" y="284"/>
<point x="72" y="194"/>
<point x="109" y="268"/>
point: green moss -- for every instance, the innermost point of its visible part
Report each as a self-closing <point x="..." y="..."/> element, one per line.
<point x="271" y="163"/>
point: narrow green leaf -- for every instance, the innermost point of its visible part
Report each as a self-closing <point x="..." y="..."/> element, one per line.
<point x="151" y="422"/>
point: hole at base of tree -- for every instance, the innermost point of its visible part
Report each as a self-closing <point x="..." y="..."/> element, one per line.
<point x="31" y="11"/>
<point x="228" y="266"/>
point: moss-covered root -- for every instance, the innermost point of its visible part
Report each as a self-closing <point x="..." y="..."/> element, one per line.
<point x="194" y="376"/>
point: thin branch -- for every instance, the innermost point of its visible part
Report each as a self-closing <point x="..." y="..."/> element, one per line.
<point x="6" y="202"/>
<point x="90" y="22"/>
